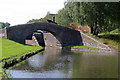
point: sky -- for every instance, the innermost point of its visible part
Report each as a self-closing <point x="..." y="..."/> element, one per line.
<point x="21" y="11"/>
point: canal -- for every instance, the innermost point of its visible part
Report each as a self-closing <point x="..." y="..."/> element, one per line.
<point x="56" y="63"/>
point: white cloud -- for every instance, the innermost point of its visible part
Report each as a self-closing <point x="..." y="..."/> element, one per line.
<point x="21" y="11"/>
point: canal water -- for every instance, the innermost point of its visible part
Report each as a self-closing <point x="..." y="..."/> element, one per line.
<point x="56" y="63"/>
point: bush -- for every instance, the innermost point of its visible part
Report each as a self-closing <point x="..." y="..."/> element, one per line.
<point x="115" y="31"/>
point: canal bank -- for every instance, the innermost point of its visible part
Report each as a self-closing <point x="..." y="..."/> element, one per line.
<point x="96" y="50"/>
<point x="13" y="53"/>
<point x="14" y="61"/>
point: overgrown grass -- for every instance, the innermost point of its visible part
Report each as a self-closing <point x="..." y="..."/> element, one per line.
<point x="84" y="47"/>
<point x="11" y="48"/>
<point x="116" y="31"/>
<point x="108" y="39"/>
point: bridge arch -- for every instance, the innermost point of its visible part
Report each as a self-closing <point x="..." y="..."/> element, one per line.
<point x="65" y="35"/>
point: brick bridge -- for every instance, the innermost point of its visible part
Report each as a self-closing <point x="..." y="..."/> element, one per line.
<point x="64" y="35"/>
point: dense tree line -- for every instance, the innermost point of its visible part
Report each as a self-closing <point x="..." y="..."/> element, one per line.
<point x="100" y="16"/>
<point x="3" y="25"/>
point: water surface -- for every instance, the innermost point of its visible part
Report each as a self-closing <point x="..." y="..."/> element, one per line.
<point x="55" y="63"/>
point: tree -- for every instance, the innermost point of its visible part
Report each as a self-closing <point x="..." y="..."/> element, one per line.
<point x="41" y="19"/>
<point x="100" y="16"/>
<point x="63" y="17"/>
<point x="3" y="25"/>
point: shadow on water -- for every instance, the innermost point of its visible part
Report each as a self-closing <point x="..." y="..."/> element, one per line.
<point x="56" y="63"/>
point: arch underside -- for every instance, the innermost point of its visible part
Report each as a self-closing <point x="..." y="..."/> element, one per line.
<point x="64" y="35"/>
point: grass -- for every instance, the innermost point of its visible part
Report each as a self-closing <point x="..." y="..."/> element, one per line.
<point x="84" y="47"/>
<point x="116" y="31"/>
<point x="11" y="48"/>
<point x="0" y="67"/>
<point x="37" y="33"/>
<point x="111" y="39"/>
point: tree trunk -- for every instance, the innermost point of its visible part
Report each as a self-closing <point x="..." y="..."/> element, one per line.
<point x="95" y="31"/>
<point x="91" y="29"/>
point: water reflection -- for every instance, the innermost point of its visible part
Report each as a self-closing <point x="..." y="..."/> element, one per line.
<point x="95" y="66"/>
<point x="47" y="57"/>
<point x="55" y="63"/>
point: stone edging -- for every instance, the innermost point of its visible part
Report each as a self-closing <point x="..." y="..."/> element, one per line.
<point x="91" y="50"/>
<point x="89" y="41"/>
<point x="20" y="59"/>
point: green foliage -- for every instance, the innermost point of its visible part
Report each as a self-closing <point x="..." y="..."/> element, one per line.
<point x="117" y="31"/>
<point x="63" y="17"/>
<point x="70" y="14"/>
<point x="109" y="39"/>
<point x="3" y="25"/>
<point x="11" y="48"/>
<point x="102" y="17"/>
<point x="41" y="19"/>
<point x="84" y="47"/>
<point x="6" y="76"/>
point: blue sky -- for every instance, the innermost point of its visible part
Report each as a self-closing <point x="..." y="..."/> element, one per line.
<point x="20" y="11"/>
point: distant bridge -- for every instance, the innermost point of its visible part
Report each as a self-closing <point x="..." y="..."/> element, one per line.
<point x="64" y="35"/>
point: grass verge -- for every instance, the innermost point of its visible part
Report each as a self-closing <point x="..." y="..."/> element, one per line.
<point x="11" y="48"/>
<point x="83" y="47"/>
